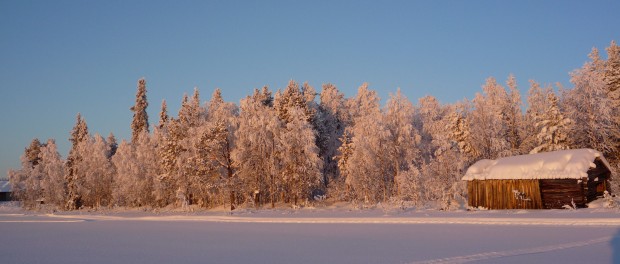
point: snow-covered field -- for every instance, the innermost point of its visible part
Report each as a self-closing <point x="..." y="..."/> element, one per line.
<point x="330" y="235"/>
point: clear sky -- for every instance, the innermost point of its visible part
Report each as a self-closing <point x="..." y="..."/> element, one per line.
<point x="58" y="58"/>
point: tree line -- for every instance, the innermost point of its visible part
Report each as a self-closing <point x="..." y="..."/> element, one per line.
<point x="292" y="147"/>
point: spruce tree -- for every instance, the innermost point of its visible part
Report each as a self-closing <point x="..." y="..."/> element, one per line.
<point x="140" y="120"/>
<point x="79" y="134"/>
<point x="553" y="128"/>
<point x="163" y="115"/>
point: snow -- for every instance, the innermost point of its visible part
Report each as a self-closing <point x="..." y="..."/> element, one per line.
<point x="5" y="186"/>
<point x="311" y="236"/>
<point x="563" y="164"/>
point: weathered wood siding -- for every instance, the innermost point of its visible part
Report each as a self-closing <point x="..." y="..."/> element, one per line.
<point x="560" y="192"/>
<point x="504" y="194"/>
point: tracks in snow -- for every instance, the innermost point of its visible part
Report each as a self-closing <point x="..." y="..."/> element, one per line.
<point x="511" y="253"/>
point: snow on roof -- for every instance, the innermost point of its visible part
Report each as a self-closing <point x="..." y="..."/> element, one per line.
<point x="5" y="186"/>
<point x="563" y="164"/>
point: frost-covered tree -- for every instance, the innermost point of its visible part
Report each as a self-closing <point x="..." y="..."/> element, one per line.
<point x="95" y="172"/>
<point x="611" y="73"/>
<point x="334" y="120"/>
<point x="402" y="140"/>
<point x="218" y="143"/>
<point x="79" y="134"/>
<point x="140" y="120"/>
<point x="513" y="116"/>
<point x="26" y="182"/>
<point x="536" y="107"/>
<point x="367" y="170"/>
<point x="611" y="76"/>
<point x="300" y="165"/>
<point x="553" y="127"/>
<point x="443" y="162"/>
<point x="112" y="144"/>
<point x="163" y="115"/>
<point x="459" y="127"/>
<point x="291" y="97"/>
<point x="489" y="128"/>
<point x="52" y="168"/>
<point x="137" y="166"/>
<point x="590" y="109"/>
<point x="255" y="150"/>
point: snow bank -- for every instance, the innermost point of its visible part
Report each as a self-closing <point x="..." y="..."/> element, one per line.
<point x="563" y="164"/>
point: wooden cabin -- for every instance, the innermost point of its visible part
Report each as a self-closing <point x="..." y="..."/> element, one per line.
<point x="538" y="181"/>
<point x="5" y="191"/>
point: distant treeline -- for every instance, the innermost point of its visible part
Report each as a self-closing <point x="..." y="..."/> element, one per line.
<point x="292" y="147"/>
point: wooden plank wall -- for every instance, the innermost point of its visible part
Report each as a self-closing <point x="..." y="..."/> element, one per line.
<point x="500" y="194"/>
<point x="560" y="192"/>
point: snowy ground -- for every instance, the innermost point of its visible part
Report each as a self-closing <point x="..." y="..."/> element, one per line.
<point x="311" y="236"/>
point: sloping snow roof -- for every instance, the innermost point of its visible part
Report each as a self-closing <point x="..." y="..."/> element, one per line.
<point x="563" y="164"/>
<point x="5" y="186"/>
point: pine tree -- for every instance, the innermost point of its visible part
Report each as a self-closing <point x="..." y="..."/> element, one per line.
<point x="32" y="152"/>
<point x="163" y="115"/>
<point x="288" y="99"/>
<point x="140" y="120"/>
<point x="112" y="145"/>
<point x="553" y="128"/>
<point x="79" y="134"/>
<point x="26" y="182"/>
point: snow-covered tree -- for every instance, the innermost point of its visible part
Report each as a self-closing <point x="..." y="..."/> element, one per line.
<point x="333" y="118"/>
<point x="255" y="149"/>
<point x="52" y="168"/>
<point x="137" y="166"/>
<point x="489" y="128"/>
<point x="611" y="76"/>
<point x="299" y="159"/>
<point x="291" y="97"/>
<point x="459" y="127"/>
<point x="513" y="116"/>
<point x="442" y="127"/>
<point x="402" y="139"/>
<point x="140" y="120"/>
<point x="367" y="170"/>
<point x="163" y="115"/>
<point x="553" y="127"/>
<point x="590" y="109"/>
<point x="95" y="172"/>
<point x="79" y="134"/>
<point x="218" y="143"/>
<point x="536" y="107"/>
<point x="26" y="182"/>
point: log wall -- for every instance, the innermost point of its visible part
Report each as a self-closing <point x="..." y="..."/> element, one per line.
<point x="504" y="194"/>
<point x="557" y="193"/>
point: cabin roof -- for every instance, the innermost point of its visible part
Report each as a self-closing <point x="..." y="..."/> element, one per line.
<point x="562" y="164"/>
<point x="5" y="186"/>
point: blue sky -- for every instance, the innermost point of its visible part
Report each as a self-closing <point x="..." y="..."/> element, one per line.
<point x="58" y="58"/>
